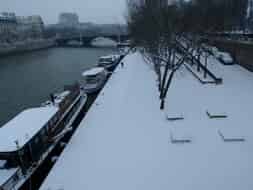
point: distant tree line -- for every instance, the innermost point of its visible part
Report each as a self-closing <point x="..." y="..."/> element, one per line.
<point x="214" y="15"/>
<point x="179" y="16"/>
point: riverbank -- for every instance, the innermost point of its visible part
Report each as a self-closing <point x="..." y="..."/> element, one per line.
<point x="39" y="176"/>
<point x="125" y="141"/>
<point x="25" y="46"/>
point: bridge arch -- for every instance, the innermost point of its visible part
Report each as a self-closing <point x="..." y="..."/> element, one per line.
<point x="87" y="40"/>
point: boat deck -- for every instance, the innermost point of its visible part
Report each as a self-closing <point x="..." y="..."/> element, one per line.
<point x="24" y="126"/>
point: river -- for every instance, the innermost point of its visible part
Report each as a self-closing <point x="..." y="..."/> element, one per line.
<point x="26" y="80"/>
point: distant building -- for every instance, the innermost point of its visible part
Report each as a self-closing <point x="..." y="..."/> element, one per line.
<point x="8" y="26"/>
<point x="30" y="27"/>
<point x="69" y="19"/>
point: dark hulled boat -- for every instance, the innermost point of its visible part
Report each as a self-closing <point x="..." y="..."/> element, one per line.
<point x="27" y="139"/>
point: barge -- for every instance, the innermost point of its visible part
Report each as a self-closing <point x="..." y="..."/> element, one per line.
<point x="94" y="79"/>
<point x="109" y="62"/>
<point x="27" y="140"/>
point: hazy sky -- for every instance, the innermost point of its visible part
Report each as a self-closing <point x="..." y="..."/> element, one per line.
<point x="98" y="11"/>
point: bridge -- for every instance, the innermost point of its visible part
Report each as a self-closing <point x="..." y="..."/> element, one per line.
<point x="86" y="40"/>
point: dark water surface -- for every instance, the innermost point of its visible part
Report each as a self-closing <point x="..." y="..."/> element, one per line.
<point x="26" y="80"/>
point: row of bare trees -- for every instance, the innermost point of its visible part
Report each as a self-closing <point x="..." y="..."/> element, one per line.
<point x="156" y="27"/>
<point x="151" y="26"/>
<point x="198" y="16"/>
<point x="214" y="15"/>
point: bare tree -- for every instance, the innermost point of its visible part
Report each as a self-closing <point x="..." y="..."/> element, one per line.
<point x="156" y="28"/>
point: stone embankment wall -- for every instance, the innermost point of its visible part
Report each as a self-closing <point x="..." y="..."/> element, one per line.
<point x="242" y="51"/>
<point x="29" y="45"/>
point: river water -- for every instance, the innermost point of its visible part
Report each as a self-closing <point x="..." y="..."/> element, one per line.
<point x="26" y="80"/>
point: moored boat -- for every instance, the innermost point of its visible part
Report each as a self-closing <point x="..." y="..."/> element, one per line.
<point x="93" y="79"/>
<point x="108" y="62"/>
<point x="27" y="140"/>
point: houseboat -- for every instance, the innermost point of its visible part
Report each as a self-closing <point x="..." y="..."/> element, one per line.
<point x="27" y="140"/>
<point x="94" y="79"/>
<point x="108" y="62"/>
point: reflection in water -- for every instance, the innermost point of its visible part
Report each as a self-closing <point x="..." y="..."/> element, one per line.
<point x="26" y="80"/>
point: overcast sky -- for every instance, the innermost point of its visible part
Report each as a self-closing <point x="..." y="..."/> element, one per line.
<point x="98" y="11"/>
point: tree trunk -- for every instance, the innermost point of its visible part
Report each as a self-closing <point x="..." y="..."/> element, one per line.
<point x="169" y="83"/>
<point x="205" y="73"/>
<point x="158" y="71"/>
<point x="199" y="54"/>
<point x="166" y="90"/>
<point x="162" y="105"/>
<point x="192" y="59"/>
<point x="165" y="74"/>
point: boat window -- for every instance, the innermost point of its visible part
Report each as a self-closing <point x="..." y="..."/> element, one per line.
<point x="48" y="126"/>
<point x="36" y="140"/>
<point x="92" y="79"/>
<point x="105" y="59"/>
<point x="55" y="119"/>
<point x="43" y="132"/>
<point x="52" y="122"/>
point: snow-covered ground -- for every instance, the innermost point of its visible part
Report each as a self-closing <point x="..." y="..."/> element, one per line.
<point x="125" y="142"/>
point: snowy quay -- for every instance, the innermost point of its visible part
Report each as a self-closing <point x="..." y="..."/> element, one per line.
<point x="126" y="142"/>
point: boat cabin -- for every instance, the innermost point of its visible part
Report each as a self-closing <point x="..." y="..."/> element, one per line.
<point x="109" y="59"/>
<point x="24" y="138"/>
<point x="27" y="140"/>
<point x="108" y="62"/>
<point x="94" y="79"/>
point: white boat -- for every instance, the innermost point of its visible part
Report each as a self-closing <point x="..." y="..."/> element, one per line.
<point x="94" y="79"/>
<point x="108" y="62"/>
<point x="28" y="139"/>
<point x="57" y="99"/>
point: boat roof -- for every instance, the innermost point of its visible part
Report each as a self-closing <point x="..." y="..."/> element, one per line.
<point x="24" y="126"/>
<point x="110" y="56"/>
<point x="93" y="71"/>
<point x="107" y="57"/>
<point x="126" y="142"/>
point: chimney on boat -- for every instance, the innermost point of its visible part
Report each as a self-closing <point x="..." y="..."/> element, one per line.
<point x="52" y="98"/>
